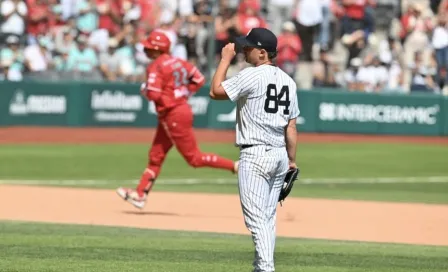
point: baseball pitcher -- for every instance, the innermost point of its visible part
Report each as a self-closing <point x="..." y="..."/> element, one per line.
<point x="170" y="82"/>
<point x="267" y="109"/>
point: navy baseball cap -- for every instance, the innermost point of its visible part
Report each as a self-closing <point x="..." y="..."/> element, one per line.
<point x="259" y="37"/>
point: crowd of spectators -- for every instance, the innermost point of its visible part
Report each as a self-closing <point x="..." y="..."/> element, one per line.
<point x="321" y="43"/>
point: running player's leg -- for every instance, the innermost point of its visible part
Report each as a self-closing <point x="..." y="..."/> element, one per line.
<point x="156" y="156"/>
<point x="255" y="185"/>
<point x="181" y="132"/>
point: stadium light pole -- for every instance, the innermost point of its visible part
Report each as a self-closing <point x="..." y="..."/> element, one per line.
<point x="211" y="41"/>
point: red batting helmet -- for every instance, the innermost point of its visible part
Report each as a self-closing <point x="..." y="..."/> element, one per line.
<point x="157" y="41"/>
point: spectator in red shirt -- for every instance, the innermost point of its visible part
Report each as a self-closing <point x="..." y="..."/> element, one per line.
<point x="354" y="9"/>
<point x="110" y="15"/>
<point x="249" y="17"/>
<point x="150" y="14"/>
<point x="289" y="48"/>
<point x="39" y="18"/>
<point x="356" y="17"/>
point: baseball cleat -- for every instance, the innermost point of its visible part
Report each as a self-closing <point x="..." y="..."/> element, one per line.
<point x="132" y="197"/>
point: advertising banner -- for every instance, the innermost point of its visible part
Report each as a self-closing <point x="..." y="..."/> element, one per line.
<point x="34" y="104"/>
<point x="121" y="105"/>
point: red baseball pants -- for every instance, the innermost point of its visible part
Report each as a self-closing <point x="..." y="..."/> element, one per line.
<point x="176" y="128"/>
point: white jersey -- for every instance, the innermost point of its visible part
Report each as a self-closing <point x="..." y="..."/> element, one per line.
<point x="266" y="100"/>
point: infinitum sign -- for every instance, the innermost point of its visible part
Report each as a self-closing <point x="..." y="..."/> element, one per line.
<point x="116" y="106"/>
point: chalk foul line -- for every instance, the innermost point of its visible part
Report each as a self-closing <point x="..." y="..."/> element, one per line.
<point x="205" y="181"/>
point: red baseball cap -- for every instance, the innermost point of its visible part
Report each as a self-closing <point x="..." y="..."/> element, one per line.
<point x="157" y="41"/>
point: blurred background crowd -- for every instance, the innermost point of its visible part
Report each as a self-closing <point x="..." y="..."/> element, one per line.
<point x="357" y="45"/>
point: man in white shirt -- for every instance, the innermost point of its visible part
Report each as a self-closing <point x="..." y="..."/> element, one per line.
<point x="395" y="80"/>
<point x="37" y="56"/>
<point x="13" y="13"/>
<point x="280" y="11"/>
<point x="309" y="17"/>
<point x="183" y="7"/>
<point x="166" y="20"/>
<point x="373" y="77"/>
<point x="68" y="8"/>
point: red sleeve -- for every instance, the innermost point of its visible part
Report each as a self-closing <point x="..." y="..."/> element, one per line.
<point x="298" y="43"/>
<point x="284" y="42"/>
<point x="337" y="9"/>
<point x="195" y="77"/>
<point x="154" y="82"/>
<point x="404" y="25"/>
<point x="280" y="42"/>
<point x="405" y="21"/>
<point x="292" y="42"/>
<point x="263" y="23"/>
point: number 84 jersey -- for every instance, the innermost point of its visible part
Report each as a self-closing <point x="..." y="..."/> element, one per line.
<point x="266" y="99"/>
<point x="170" y="81"/>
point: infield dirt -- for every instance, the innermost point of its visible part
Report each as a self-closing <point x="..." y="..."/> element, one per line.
<point x="309" y="218"/>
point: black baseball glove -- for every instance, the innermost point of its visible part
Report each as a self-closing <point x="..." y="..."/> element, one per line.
<point x="290" y="177"/>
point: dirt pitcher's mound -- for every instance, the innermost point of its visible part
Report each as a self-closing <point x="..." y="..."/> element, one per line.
<point x="328" y="219"/>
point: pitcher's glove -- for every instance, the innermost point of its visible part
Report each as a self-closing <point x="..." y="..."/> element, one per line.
<point x="290" y="177"/>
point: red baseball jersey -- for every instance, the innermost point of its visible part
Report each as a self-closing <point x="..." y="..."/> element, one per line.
<point x="171" y="81"/>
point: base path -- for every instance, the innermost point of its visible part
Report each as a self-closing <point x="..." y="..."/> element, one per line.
<point x="145" y="135"/>
<point x="326" y="219"/>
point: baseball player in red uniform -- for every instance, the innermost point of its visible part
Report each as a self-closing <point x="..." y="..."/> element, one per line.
<point x="170" y="82"/>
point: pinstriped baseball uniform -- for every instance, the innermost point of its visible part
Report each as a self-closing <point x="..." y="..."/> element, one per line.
<point x="266" y="100"/>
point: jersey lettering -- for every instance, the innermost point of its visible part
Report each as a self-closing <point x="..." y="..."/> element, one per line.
<point x="180" y="77"/>
<point x="178" y="93"/>
<point x="265" y="97"/>
<point x="274" y="100"/>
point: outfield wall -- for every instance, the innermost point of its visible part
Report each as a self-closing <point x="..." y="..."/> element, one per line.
<point x="117" y="104"/>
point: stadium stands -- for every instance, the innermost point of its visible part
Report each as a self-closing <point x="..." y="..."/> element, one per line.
<point x="363" y="45"/>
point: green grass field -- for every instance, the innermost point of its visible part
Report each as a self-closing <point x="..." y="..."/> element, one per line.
<point x="383" y="172"/>
<point x="343" y="171"/>
<point x="45" y="247"/>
